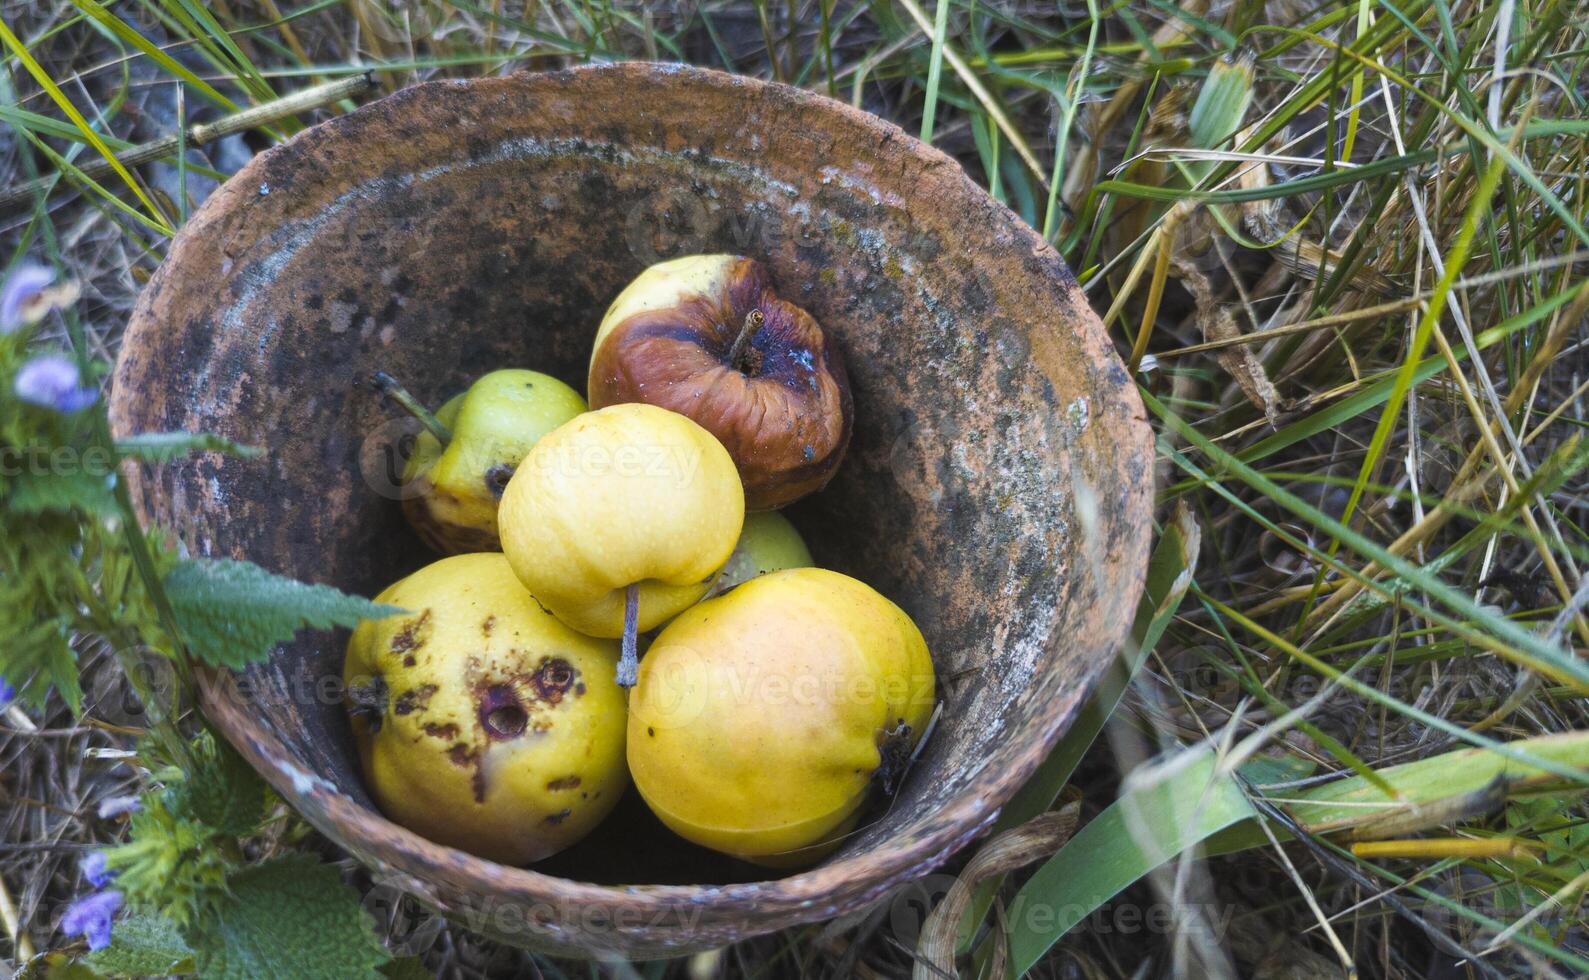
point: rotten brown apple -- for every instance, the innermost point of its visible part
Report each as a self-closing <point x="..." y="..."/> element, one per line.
<point x="708" y="337"/>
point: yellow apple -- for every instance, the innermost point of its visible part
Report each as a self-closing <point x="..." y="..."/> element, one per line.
<point x="763" y="717"/>
<point x="620" y="519"/>
<point x="481" y="722"/>
<point x="453" y="485"/>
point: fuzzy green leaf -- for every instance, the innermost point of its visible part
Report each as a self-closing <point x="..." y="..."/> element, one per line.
<point x="143" y="945"/>
<point x="63" y="491"/>
<point x="39" y="658"/>
<point x="163" y="447"/>
<point x="222" y="791"/>
<point x="291" y="917"/>
<point x="232" y="613"/>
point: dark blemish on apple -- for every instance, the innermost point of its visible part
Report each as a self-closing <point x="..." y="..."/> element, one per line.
<point x="461" y="755"/>
<point x="417" y="699"/>
<point x="894" y="746"/>
<point x="446" y="732"/>
<point x="497" y="478"/>
<point x="501" y="714"/>
<point x="552" y="679"/>
<point x="579" y="689"/>
<point x="408" y="660"/>
<point x="651" y="731"/>
<point x="408" y="638"/>
<point x="368" y="701"/>
<point x="314" y="302"/>
<point x="808" y="453"/>
<point x="556" y="818"/>
<point x="566" y="782"/>
<point x="488" y="625"/>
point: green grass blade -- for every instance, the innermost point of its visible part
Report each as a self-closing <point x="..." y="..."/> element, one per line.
<point x="940" y="26"/>
<point x="155" y="219"/>
<point x="1167" y="812"/>
<point x="1495" y="633"/>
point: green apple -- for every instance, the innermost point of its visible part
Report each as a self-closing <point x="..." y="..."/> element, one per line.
<point x="769" y="543"/>
<point x="621" y="518"/>
<point x="463" y="460"/>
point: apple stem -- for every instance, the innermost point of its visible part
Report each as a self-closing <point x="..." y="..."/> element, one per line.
<point x="739" y="355"/>
<point x="629" y="665"/>
<point x="388" y="386"/>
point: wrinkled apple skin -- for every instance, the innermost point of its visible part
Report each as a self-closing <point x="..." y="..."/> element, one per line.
<point x="452" y="492"/>
<point x="761" y="716"/>
<point x="471" y="662"/>
<point x="623" y="495"/>
<point x="768" y="543"/>
<point x="667" y="340"/>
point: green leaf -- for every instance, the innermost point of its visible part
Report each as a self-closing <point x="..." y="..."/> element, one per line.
<point x="40" y="658"/>
<point x="1160" y="814"/>
<point x="143" y="945"/>
<point x="63" y="491"/>
<point x="222" y="790"/>
<point x="407" y="968"/>
<point x="163" y="447"/>
<point x="1271" y="770"/>
<point x="291" y="917"/>
<point x="55" y="966"/>
<point x="1190" y="800"/>
<point x="1422" y="786"/>
<point x="232" y="613"/>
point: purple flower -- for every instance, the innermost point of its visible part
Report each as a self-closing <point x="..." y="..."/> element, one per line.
<point x="52" y="381"/>
<point x="94" y="869"/>
<point x="90" y="917"/>
<point x="118" y="805"/>
<point x="7" y="693"/>
<point x="23" y="298"/>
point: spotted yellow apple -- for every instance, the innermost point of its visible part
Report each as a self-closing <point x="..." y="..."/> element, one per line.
<point x="481" y="721"/>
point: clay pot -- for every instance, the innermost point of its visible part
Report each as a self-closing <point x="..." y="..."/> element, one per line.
<point x="998" y="484"/>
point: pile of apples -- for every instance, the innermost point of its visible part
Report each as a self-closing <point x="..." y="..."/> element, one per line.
<point x="507" y="709"/>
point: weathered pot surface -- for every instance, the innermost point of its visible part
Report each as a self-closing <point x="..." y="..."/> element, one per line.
<point x="997" y="485"/>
